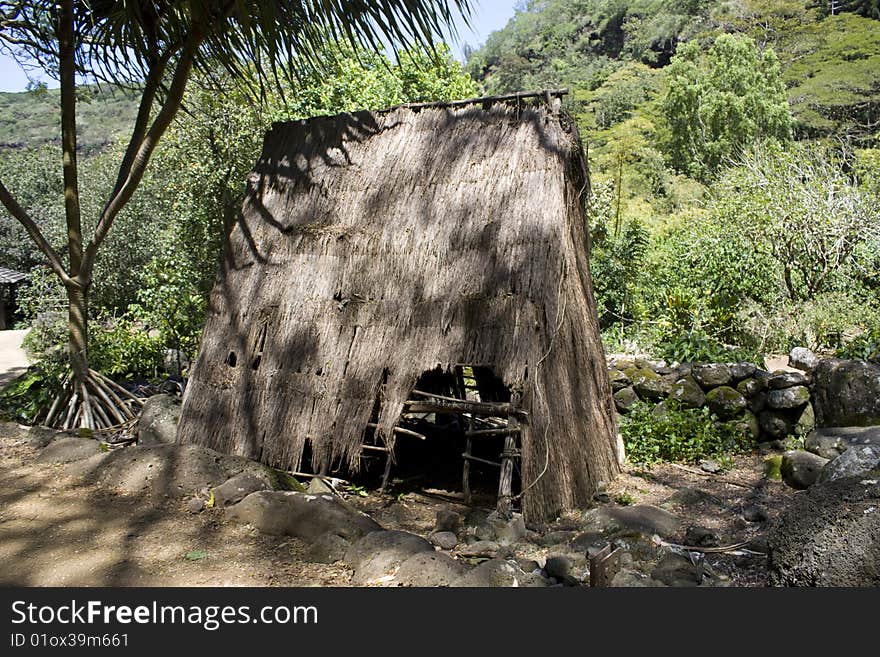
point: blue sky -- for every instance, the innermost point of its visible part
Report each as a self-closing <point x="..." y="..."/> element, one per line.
<point x="488" y="16"/>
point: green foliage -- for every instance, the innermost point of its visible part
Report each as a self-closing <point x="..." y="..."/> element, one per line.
<point x="616" y="259"/>
<point x="678" y="434"/>
<point x="31" y="119"/>
<point x="717" y="107"/>
<point x="124" y="347"/>
<point x="866" y="346"/>
<point x="29" y="395"/>
<point x="804" y="211"/>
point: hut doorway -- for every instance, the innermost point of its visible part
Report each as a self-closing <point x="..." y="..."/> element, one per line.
<point x="459" y="432"/>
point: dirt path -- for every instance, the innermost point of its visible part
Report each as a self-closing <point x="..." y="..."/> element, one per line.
<point x="55" y="531"/>
<point x="13" y="360"/>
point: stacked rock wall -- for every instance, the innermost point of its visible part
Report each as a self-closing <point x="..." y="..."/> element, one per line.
<point x="772" y="405"/>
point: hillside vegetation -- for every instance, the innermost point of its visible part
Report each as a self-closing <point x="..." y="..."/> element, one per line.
<point x="33" y="118"/>
<point x="733" y="151"/>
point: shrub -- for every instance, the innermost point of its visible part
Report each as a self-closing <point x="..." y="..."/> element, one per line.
<point x="678" y="434"/>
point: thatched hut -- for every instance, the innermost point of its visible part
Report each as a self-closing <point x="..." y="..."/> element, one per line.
<point x="381" y="253"/>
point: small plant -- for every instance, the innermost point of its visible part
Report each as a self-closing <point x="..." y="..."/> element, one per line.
<point x="354" y="489"/>
<point x="680" y="434"/>
<point x="624" y="499"/>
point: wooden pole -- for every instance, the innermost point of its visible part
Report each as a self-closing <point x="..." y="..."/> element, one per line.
<point x="505" y="483"/>
<point x="457" y="406"/>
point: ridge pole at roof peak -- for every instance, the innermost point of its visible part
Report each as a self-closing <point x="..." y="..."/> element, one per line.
<point x="545" y="94"/>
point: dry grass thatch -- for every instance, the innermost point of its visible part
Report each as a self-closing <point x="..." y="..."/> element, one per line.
<point x="377" y="246"/>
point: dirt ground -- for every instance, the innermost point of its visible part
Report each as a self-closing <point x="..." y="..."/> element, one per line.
<point x="56" y="530"/>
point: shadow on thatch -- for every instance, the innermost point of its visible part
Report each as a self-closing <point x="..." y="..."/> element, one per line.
<point x="375" y="247"/>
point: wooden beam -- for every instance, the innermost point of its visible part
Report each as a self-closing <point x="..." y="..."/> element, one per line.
<point x="400" y="430"/>
<point x="519" y="95"/>
<point x="468" y="457"/>
<point x="459" y="406"/>
<point x="486" y="433"/>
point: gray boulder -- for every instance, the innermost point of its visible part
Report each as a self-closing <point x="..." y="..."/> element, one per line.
<point x="641" y="518"/>
<point x="328" y="548"/>
<point x="726" y="402"/>
<point x="499" y="573"/>
<point x="831" y="442"/>
<point x="786" y="398"/>
<point x="801" y="469"/>
<point x="806" y="421"/>
<point x="802" y="359"/>
<point x="774" y="426"/>
<point x="625" y="399"/>
<point x="740" y="371"/>
<point x="377" y="557"/>
<point x="687" y="393"/>
<point x="712" y="375"/>
<point x="787" y="379"/>
<point x="158" y="421"/>
<point x="428" y="569"/>
<point x="828" y="446"/>
<point x="751" y="386"/>
<point x="238" y="487"/>
<point x="443" y="540"/>
<point x="854" y="462"/>
<point x="618" y="379"/>
<point x="650" y="385"/>
<point x="290" y="513"/>
<point x="829" y="536"/>
<point x="846" y="393"/>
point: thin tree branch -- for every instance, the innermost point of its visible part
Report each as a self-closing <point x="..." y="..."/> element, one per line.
<point x="33" y="230"/>
<point x="151" y="87"/>
<point x="142" y="157"/>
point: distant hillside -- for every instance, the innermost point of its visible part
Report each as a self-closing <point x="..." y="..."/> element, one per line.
<point x="831" y="64"/>
<point x="31" y="118"/>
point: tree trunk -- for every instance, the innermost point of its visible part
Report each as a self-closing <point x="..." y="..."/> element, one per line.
<point x="77" y="329"/>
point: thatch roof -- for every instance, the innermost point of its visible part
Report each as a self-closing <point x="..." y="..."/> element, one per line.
<point x="10" y="276"/>
<point x="376" y="246"/>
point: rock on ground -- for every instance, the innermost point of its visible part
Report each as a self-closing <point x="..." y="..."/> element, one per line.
<point x="238" y="487"/>
<point x="855" y="461"/>
<point x="625" y="399"/>
<point x="647" y="519"/>
<point x="377" y="557"/>
<point x="305" y="516"/>
<point x="846" y="393"/>
<point x="829" y="536"/>
<point x="158" y="422"/>
<point x="801" y="469"/>
<point x="726" y="402"/>
<point x="429" y="569"/>
<point x="443" y="540"/>
<point x="499" y="573"/>
<point x="328" y="548"/>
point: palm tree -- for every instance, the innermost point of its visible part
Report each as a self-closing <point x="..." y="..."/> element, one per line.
<point x="156" y="45"/>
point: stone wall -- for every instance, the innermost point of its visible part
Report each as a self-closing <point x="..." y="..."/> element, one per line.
<point x="770" y="405"/>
